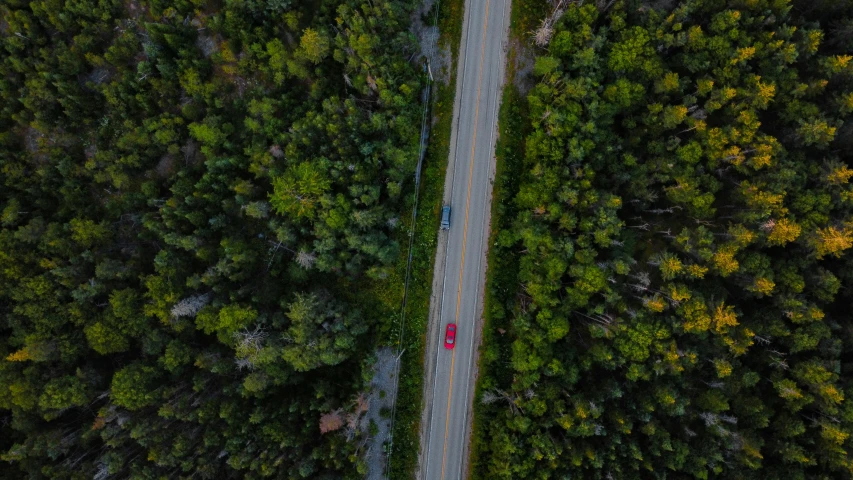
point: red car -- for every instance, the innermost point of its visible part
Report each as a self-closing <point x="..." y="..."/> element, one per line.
<point x="450" y="336"/>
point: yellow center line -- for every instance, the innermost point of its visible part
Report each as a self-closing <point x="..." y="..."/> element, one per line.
<point x="465" y="234"/>
<point x="447" y="414"/>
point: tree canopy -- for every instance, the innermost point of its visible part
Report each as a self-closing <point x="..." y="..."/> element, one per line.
<point x="194" y="199"/>
<point x="683" y="240"/>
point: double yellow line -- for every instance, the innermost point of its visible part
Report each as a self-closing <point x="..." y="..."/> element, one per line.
<point x="465" y="233"/>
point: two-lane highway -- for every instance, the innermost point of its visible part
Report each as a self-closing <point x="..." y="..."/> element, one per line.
<point x="479" y="82"/>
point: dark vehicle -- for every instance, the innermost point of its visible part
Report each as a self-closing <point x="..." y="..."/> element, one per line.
<point x="445" y="218"/>
<point x="450" y="336"/>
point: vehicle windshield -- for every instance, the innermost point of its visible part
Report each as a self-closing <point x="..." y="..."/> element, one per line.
<point x="449" y="340"/>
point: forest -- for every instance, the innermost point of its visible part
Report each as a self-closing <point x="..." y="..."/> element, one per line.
<point x="199" y="204"/>
<point x="671" y="281"/>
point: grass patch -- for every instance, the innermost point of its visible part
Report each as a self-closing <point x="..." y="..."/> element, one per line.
<point x="410" y="390"/>
<point x="525" y="17"/>
<point x="450" y="18"/>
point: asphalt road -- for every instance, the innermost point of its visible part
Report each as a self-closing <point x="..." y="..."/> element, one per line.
<point x="479" y="82"/>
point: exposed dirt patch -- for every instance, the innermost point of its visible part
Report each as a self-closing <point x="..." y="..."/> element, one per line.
<point x="32" y="140"/>
<point x="383" y="390"/>
<point x="523" y="58"/>
<point x="192" y="156"/>
<point x="96" y="76"/>
<point x="166" y="166"/>
<point x="206" y="44"/>
<point x="439" y="58"/>
<point x="443" y="62"/>
<point x="135" y="10"/>
<point x="40" y="143"/>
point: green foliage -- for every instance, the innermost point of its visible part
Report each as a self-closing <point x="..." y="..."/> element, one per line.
<point x="133" y="387"/>
<point x="320" y="332"/>
<point x="175" y="178"/>
<point x="672" y="264"/>
<point x="314" y="45"/>
<point x="297" y="193"/>
<point x="62" y="393"/>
